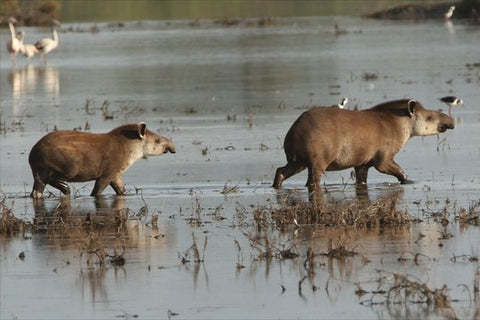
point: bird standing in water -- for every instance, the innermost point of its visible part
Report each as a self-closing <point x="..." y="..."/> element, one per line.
<point x="46" y="45"/>
<point x="449" y="13"/>
<point x="27" y="49"/>
<point x="451" y="101"/>
<point x="13" y="45"/>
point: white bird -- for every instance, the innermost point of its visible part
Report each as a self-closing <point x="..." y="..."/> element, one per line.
<point x="449" y="13"/>
<point x="342" y="104"/>
<point x="27" y="49"/>
<point x="46" y="45"/>
<point x="13" y="45"/>
<point x="451" y="101"/>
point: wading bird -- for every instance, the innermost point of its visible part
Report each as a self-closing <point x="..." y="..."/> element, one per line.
<point x="451" y="101"/>
<point x="449" y="13"/>
<point x="27" y="49"/>
<point x="46" y="45"/>
<point x="13" y="45"/>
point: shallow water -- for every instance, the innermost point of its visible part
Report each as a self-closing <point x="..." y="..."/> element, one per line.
<point x="232" y="93"/>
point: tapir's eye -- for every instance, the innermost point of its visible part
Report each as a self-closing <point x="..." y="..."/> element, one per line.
<point x="430" y="118"/>
<point x="157" y="141"/>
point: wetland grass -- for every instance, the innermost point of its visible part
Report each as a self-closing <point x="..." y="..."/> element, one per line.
<point x="359" y="213"/>
<point x="397" y="290"/>
<point x="9" y="224"/>
<point x="197" y="257"/>
<point x="93" y="246"/>
<point x="268" y="250"/>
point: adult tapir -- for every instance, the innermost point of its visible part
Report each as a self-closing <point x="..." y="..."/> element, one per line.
<point x="329" y="138"/>
<point x="73" y="156"/>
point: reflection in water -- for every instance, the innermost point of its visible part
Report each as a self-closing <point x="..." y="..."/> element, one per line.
<point x="33" y="80"/>
<point x="450" y="27"/>
<point x="64" y="206"/>
<point x="332" y="194"/>
<point x="99" y="234"/>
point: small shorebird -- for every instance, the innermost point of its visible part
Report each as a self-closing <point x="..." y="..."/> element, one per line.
<point x="13" y="45"/>
<point x="342" y="104"/>
<point x="449" y="13"/>
<point x="46" y="45"/>
<point x="27" y="49"/>
<point x="451" y="101"/>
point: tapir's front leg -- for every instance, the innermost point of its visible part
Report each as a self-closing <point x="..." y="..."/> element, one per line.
<point x="392" y="168"/>
<point x="361" y="173"/>
<point x="118" y="186"/>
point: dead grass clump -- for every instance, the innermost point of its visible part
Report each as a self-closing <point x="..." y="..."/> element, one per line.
<point x="338" y="252"/>
<point x="229" y="189"/>
<point x="197" y="258"/>
<point x="267" y="250"/>
<point x="93" y="247"/>
<point x="9" y="224"/>
<point x="470" y="216"/>
<point x="190" y="110"/>
<point x="396" y="290"/>
<point x="354" y="213"/>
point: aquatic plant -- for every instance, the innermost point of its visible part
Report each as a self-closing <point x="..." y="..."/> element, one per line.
<point x="197" y="258"/>
<point x="9" y="224"/>
<point x="345" y="213"/>
<point x="397" y="290"/>
<point x="94" y="246"/>
<point x="263" y="243"/>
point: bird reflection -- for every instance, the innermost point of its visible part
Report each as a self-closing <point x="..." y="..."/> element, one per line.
<point x="33" y="79"/>
<point x="450" y="27"/>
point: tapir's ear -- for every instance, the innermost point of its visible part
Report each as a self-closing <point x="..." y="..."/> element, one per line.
<point x="142" y="129"/>
<point x="411" y="104"/>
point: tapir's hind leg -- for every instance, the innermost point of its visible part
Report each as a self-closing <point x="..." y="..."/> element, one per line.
<point x="286" y="172"/>
<point x="60" y="184"/>
<point x="38" y="187"/>
<point x="42" y="178"/>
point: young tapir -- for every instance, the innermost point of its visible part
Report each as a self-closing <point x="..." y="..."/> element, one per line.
<point x="329" y="138"/>
<point x="73" y="156"/>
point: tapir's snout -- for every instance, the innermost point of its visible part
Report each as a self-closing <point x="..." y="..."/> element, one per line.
<point x="447" y="123"/>
<point x="170" y="148"/>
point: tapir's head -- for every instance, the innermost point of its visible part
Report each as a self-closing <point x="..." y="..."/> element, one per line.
<point x="143" y="142"/>
<point x="427" y="122"/>
<point x="154" y="144"/>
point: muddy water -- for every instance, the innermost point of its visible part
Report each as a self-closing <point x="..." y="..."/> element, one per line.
<point x="227" y="96"/>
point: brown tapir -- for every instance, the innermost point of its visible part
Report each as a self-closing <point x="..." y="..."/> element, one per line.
<point x="73" y="156"/>
<point x="329" y="138"/>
